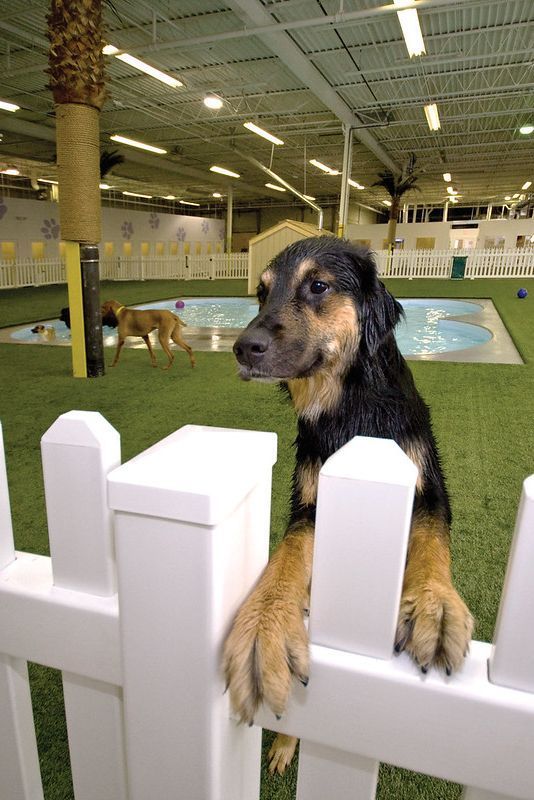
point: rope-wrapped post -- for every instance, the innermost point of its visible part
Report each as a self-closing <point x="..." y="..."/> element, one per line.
<point x="78" y="163"/>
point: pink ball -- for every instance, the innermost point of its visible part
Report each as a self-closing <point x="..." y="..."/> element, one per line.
<point x="180" y="304"/>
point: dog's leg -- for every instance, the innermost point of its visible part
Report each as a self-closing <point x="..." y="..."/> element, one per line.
<point x="120" y="345"/>
<point x="281" y="753"/>
<point x="177" y="339"/>
<point x="268" y="642"/>
<point x="151" y="353"/>
<point x="163" y="336"/>
<point x="435" y="625"/>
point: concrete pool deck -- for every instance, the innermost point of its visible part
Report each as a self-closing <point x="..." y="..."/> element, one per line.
<point x="500" y="349"/>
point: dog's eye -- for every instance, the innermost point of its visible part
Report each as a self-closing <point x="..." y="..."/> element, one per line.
<point x="261" y="292"/>
<point x="318" y="287"/>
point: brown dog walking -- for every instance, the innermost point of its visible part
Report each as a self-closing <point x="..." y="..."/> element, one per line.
<point x="136" y="322"/>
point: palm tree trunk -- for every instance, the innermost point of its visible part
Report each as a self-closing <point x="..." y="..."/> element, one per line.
<point x="76" y="69"/>
<point x="392" y="224"/>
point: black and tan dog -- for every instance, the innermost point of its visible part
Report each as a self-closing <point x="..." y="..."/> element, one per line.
<point x="137" y="322"/>
<point x="325" y="331"/>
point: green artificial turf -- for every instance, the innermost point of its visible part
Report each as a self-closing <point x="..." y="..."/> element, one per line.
<point x="482" y="417"/>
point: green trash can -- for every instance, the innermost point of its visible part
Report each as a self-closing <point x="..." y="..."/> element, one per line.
<point x="458" y="267"/>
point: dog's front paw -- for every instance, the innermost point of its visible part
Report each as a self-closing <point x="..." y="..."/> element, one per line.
<point x="434" y="626"/>
<point x="267" y="645"/>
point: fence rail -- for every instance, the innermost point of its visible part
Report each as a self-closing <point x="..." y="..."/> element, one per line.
<point x="148" y="567"/>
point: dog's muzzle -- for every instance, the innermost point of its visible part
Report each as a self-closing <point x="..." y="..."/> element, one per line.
<point x="250" y="348"/>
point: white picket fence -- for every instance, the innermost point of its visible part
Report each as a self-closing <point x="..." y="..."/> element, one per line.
<point x="150" y="561"/>
<point x="493" y="263"/>
<point x="15" y="274"/>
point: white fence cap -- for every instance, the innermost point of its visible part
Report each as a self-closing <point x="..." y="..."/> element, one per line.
<point x="197" y="474"/>
<point x="373" y="460"/>
<point x="80" y="429"/>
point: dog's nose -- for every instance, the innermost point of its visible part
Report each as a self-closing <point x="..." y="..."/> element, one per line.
<point x="251" y="346"/>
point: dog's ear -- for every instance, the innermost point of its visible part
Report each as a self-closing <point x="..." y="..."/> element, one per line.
<point x="380" y="314"/>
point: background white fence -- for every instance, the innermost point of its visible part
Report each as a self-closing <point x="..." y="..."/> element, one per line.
<point x="150" y="561"/>
<point x="14" y="274"/>
<point x="493" y="263"/>
<point x="401" y="264"/>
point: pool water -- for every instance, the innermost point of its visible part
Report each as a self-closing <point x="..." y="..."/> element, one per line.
<point x="425" y="331"/>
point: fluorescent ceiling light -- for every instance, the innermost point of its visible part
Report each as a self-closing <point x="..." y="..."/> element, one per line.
<point x="10" y="171"/>
<point x="136" y="194"/>
<point x="104" y="186"/>
<point x="515" y="196"/>
<point x="411" y="30"/>
<point x="169" y="197"/>
<point x="308" y="197"/>
<point x="524" y="129"/>
<point x="453" y="199"/>
<point x="266" y="135"/>
<point x="451" y="190"/>
<point x="142" y="66"/>
<point x="216" y="194"/>
<point x="188" y="203"/>
<point x="212" y="101"/>
<point x="224" y="171"/>
<point x="355" y="184"/>
<point x="47" y="180"/>
<point x="527" y="185"/>
<point x="134" y="143"/>
<point x="447" y="177"/>
<point x="274" y="186"/>
<point x="432" y="117"/>
<point x="323" y="167"/>
<point x="5" y="106"/>
<point x="386" y="202"/>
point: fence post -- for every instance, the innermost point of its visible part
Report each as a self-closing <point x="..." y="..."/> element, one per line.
<point x="360" y="614"/>
<point x="78" y="451"/>
<point x="19" y="762"/>
<point x="192" y="531"/>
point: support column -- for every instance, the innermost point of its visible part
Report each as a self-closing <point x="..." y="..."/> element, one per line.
<point x="229" y="216"/>
<point x="446" y="211"/>
<point x="345" y="188"/>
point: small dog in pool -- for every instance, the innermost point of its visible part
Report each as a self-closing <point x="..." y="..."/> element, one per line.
<point x="46" y="332"/>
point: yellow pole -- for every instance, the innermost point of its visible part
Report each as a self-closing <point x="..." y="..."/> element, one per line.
<point x="74" y="284"/>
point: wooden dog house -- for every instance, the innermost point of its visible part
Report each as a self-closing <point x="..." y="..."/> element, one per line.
<point x="266" y="245"/>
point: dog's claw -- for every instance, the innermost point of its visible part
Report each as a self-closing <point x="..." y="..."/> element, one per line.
<point x="424" y="669"/>
<point x="304" y="679"/>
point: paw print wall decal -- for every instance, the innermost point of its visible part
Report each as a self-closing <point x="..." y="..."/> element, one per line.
<point x="127" y="230"/>
<point x="50" y="228"/>
<point x="205" y="226"/>
<point x="180" y="234"/>
<point x="153" y="221"/>
<point x="3" y="207"/>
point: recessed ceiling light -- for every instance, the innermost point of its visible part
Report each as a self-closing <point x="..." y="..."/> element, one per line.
<point x="5" y="106"/>
<point x="265" y="134"/>
<point x="224" y="171"/>
<point x="212" y="101"/>
<point x="323" y="167"/>
<point x="169" y="197"/>
<point x="527" y="185"/>
<point x="136" y="194"/>
<point x="508" y="197"/>
<point x="216" y="194"/>
<point x="134" y="143"/>
<point x="447" y="177"/>
<point x="274" y="186"/>
<point x="526" y="129"/>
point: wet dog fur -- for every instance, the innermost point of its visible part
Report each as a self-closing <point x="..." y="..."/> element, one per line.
<point x="141" y="322"/>
<point x="325" y="332"/>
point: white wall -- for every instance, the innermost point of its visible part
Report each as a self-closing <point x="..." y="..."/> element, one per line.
<point x="440" y="231"/>
<point x="25" y="221"/>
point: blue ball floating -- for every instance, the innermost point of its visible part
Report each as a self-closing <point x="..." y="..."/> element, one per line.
<point x="522" y="293"/>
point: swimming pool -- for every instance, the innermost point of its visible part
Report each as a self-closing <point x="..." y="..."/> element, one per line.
<point x="426" y="330"/>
